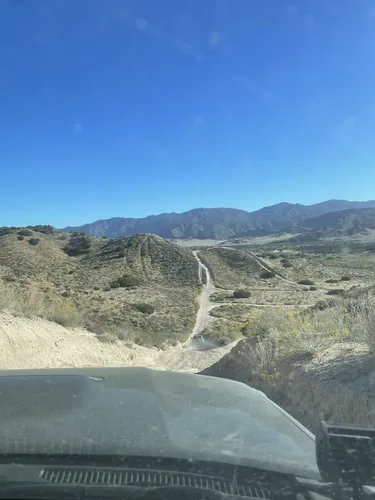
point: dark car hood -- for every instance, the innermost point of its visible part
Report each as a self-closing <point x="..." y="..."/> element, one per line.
<point x="137" y="411"/>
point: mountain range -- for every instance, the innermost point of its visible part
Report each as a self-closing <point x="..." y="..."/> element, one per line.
<point x="224" y="223"/>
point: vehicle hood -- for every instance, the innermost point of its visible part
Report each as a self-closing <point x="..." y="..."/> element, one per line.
<point x="143" y="412"/>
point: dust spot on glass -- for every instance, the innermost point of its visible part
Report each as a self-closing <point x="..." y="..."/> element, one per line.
<point x="77" y="127"/>
<point x="141" y="24"/>
<point x="214" y="39"/>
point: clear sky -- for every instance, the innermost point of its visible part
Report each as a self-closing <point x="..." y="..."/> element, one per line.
<point x="136" y="107"/>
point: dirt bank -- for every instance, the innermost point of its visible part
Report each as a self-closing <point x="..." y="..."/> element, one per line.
<point x="338" y="384"/>
<point x="37" y="343"/>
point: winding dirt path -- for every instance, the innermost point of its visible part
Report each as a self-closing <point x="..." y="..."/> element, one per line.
<point x="204" y="298"/>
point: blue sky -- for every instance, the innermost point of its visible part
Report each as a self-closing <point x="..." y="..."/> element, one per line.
<point x="134" y="107"/>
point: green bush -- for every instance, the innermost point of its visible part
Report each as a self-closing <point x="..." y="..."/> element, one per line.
<point x="125" y="281"/>
<point x="144" y="308"/>
<point x="20" y="238"/>
<point x="34" y="241"/>
<point x="241" y="294"/>
<point x="306" y="282"/>
<point x="78" y="245"/>
<point x="25" y="232"/>
<point x="6" y="230"/>
<point x="272" y="256"/>
<point x="267" y="275"/>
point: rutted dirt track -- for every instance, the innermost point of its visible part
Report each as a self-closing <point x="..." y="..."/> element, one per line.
<point x="187" y="357"/>
<point x="204" y="299"/>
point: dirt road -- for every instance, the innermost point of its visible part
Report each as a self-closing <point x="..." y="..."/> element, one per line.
<point x="262" y="264"/>
<point x="204" y="298"/>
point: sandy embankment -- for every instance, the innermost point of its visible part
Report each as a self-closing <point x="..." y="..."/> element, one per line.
<point x="37" y="343"/>
<point x="337" y="385"/>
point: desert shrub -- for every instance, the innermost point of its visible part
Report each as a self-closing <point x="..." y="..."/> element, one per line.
<point x="332" y="281"/>
<point x="79" y="244"/>
<point x="64" y="313"/>
<point x="241" y="294"/>
<point x="44" y="229"/>
<point x="107" y="337"/>
<point x="272" y="256"/>
<point x="313" y="288"/>
<point x="285" y="256"/>
<point x="297" y="335"/>
<point x="287" y="265"/>
<point x="346" y="278"/>
<point x="34" y="241"/>
<point x="144" y="308"/>
<point x="220" y="329"/>
<point x="360" y="317"/>
<point x="261" y="358"/>
<point x="25" y="232"/>
<point x="222" y="341"/>
<point x="267" y="322"/>
<point x="6" y="230"/>
<point x="306" y="282"/>
<point x="20" y="238"/>
<point x="267" y="275"/>
<point x="126" y="281"/>
<point x="336" y="291"/>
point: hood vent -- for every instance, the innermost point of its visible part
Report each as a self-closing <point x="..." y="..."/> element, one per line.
<point x="148" y="478"/>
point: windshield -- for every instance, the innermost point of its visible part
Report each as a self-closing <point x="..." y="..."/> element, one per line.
<point x="187" y="187"/>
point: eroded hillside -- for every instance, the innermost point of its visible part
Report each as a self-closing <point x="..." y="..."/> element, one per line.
<point x="141" y="287"/>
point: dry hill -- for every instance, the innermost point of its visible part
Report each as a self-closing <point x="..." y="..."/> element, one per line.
<point x="140" y="287"/>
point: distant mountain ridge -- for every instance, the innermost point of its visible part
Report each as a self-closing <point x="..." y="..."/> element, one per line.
<point x="224" y="223"/>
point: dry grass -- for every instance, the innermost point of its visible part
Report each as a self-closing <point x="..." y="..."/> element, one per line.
<point x="296" y="336"/>
<point x="33" y="303"/>
<point x="220" y="331"/>
<point x="361" y="313"/>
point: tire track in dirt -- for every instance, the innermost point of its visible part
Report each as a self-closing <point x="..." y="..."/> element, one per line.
<point x="204" y="298"/>
<point x="143" y="250"/>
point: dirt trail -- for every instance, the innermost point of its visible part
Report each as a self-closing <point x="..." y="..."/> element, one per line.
<point x="204" y="298"/>
<point x="262" y="264"/>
